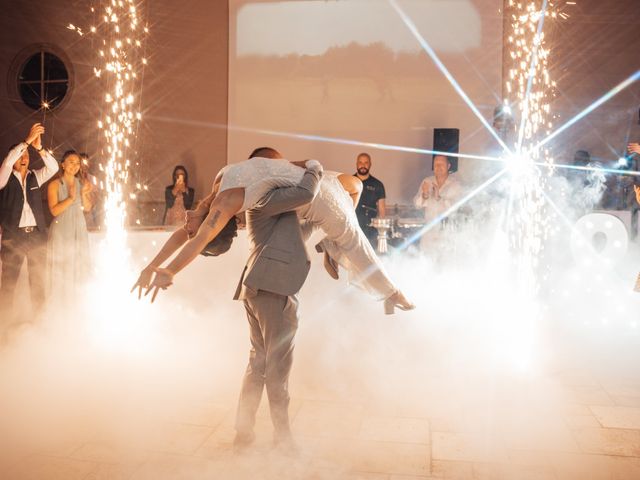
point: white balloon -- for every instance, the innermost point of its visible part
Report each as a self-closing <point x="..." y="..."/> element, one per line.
<point x="610" y="228"/>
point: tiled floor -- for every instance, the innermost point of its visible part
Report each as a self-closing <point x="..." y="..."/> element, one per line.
<point x="347" y="439"/>
<point x="406" y="398"/>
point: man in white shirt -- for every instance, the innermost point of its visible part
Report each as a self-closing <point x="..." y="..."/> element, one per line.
<point x="436" y="195"/>
<point x="24" y="230"/>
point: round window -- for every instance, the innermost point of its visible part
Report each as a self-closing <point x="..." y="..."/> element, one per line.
<point x="43" y="81"/>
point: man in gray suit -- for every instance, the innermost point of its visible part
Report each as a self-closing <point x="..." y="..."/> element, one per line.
<point x="277" y="267"/>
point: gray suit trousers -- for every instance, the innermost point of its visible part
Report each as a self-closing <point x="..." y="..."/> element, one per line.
<point x="273" y="321"/>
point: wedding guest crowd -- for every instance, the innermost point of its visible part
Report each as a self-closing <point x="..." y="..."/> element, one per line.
<point x="57" y="257"/>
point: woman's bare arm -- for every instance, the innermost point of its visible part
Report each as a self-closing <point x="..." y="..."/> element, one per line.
<point x="57" y="207"/>
<point x="175" y="241"/>
<point x="352" y="185"/>
<point x="195" y="217"/>
<point x="223" y="208"/>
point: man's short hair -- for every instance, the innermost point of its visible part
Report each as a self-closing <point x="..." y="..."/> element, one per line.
<point x="222" y="242"/>
<point x="265" y="152"/>
<point x="364" y="154"/>
<point x="67" y="154"/>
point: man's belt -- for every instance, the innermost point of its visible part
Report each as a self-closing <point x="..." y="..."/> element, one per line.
<point x="27" y="229"/>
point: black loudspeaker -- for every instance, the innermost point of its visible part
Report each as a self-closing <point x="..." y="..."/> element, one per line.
<point x="447" y="140"/>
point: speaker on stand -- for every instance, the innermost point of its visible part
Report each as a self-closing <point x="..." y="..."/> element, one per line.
<point x="447" y="140"/>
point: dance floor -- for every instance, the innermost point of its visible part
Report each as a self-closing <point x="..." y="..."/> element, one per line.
<point x="467" y="386"/>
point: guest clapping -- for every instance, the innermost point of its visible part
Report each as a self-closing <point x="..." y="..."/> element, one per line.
<point x="89" y="173"/>
<point x="178" y="197"/>
<point x="68" y="246"/>
<point x="435" y="196"/>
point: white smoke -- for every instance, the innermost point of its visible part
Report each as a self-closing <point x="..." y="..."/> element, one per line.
<point x="472" y="356"/>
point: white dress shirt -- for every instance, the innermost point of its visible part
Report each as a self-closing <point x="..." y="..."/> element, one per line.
<point x="440" y="199"/>
<point x="27" y="219"/>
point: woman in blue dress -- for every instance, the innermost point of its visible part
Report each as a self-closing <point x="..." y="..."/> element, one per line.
<point x="68" y="246"/>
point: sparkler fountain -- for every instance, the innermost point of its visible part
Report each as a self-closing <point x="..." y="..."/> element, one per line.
<point x="121" y="52"/>
<point x="528" y="90"/>
<point x="119" y="39"/>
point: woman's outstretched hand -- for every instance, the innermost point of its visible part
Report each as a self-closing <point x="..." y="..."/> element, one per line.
<point x="144" y="280"/>
<point x="162" y="280"/>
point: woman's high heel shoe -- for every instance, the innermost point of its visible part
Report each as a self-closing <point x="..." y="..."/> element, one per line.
<point x="397" y="300"/>
<point x="330" y="265"/>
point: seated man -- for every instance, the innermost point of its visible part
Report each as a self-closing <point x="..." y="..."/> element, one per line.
<point x="436" y="195"/>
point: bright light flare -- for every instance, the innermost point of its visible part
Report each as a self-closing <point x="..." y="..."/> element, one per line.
<point x="374" y="145"/>
<point x="333" y="140"/>
<point x="602" y="100"/>
<point x="456" y="86"/>
<point x="623" y="161"/>
<point x="595" y="169"/>
<point x="518" y="166"/>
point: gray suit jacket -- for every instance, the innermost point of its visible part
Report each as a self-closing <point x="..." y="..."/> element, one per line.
<point x="278" y="261"/>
